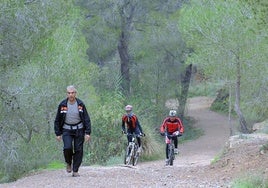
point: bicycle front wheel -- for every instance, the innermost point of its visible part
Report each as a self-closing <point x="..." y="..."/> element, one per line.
<point x="127" y="157"/>
<point x="136" y="156"/>
<point x="170" y="154"/>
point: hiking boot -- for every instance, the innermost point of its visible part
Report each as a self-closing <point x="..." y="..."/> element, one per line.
<point x="68" y="168"/>
<point x="76" y="174"/>
<point x="176" y="150"/>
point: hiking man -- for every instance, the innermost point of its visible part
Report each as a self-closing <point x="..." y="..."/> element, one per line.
<point x="72" y="125"/>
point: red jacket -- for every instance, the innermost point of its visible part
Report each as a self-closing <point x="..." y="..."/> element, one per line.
<point x="171" y="126"/>
<point x="131" y="121"/>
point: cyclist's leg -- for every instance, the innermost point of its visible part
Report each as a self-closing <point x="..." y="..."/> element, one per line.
<point x="137" y="133"/>
<point x="129" y="135"/>
<point x="139" y="141"/>
<point x="167" y="151"/>
<point x="167" y="140"/>
<point x="175" y="141"/>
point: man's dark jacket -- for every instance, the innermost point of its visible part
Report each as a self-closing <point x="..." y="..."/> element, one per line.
<point x="61" y="114"/>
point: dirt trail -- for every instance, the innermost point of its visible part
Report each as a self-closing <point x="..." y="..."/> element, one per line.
<point x="190" y="167"/>
<point x="216" y="133"/>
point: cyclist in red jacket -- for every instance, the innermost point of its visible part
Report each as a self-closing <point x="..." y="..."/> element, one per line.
<point x="170" y="125"/>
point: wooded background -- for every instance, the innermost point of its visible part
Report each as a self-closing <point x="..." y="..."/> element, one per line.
<point x="118" y="52"/>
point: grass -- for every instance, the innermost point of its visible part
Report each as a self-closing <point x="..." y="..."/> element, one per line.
<point x="190" y="132"/>
<point x="54" y="165"/>
<point x="250" y="181"/>
<point x="115" y="160"/>
<point x="264" y="147"/>
<point x="219" y="156"/>
<point x="204" y="89"/>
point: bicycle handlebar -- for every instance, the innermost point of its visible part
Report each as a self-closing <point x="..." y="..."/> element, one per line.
<point x="175" y="134"/>
<point x="133" y="134"/>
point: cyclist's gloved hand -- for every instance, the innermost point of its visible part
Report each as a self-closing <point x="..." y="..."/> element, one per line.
<point x="180" y="134"/>
<point x="142" y="134"/>
<point x="162" y="134"/>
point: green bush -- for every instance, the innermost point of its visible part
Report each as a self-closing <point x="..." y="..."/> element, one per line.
<point x="255" y="181"/>
<point x="56" y="165"/>
<point x="203" y="89"/>
<point x="23" y="157"/>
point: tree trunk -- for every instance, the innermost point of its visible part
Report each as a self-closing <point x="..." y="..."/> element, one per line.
<point x="125" y="63"/>
<point x="242" y="121"/>
<point x="126" y="13"/>
<point x="185" y="83"/>
<point x="230" y="110"/>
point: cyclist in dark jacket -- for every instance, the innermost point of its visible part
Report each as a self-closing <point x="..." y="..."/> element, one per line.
<point x="131" y="125"/>
<point x="72" y="125"/>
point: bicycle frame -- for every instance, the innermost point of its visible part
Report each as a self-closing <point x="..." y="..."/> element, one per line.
<point x="131" y="154"/>
<point x="170" y="147"/>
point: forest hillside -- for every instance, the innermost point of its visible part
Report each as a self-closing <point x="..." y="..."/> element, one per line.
<point x="138" y="52"/>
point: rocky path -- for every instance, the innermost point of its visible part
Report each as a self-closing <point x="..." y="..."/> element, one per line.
<point x="191" y="167"/>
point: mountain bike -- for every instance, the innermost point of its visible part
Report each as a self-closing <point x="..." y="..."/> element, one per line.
<point x="131" y="154"/>
<point x="171" y="146"/>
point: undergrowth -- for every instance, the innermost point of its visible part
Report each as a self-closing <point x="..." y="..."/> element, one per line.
<point x="250" y="181"/>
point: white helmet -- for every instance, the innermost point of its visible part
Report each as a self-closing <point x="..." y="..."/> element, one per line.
<point x="172" y="113"/>
<point x="128" y="108"/>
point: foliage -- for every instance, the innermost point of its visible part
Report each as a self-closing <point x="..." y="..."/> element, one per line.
<point x="24" y="24"/>
<point x="160" y="64"/>
<point x="47" y="45"/>
<point x="106" y="129"/>
<point x="258" y="181"/>
<point x="223" y="34"/>
<point x="221" y="102"/>
<point x="30" y="90"/>
<point x="56" y="165"/>
<point x="190" y="132"/>
<point x="21" y="158"/>
<point x="204" y="88"/>
<point x="156" y="56"/>
<point x="154" y="44"/>
<point x="264" y="147"/>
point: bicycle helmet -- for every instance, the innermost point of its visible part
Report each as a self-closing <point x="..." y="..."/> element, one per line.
<point x="172" y="113"/>
<point x="128" y="108"/>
